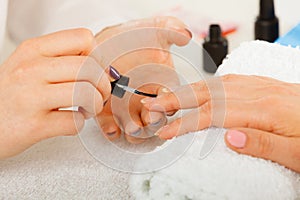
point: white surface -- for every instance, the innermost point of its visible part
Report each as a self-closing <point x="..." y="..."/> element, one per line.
<point x="224" y="174"/>
<point x="242" y="12"/>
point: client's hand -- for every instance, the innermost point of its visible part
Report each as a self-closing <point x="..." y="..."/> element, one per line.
<point x="263" y="115"/>
<point x="147" y="61"/>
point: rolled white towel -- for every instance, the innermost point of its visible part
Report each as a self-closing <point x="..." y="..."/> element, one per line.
<point x="225" y="174"/>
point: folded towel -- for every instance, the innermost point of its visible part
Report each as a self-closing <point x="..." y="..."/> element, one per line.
<point x="224" y="174"/>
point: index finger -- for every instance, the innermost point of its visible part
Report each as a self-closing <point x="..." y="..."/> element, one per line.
<point x="63" y="43"/>
<point x="187" y="96"/>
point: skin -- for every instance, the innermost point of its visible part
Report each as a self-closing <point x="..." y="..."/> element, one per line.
<point x="60" y="70"/>
<point x="262" y="115"/>
<point x="40" y="77"/>
<point x="148" y="70"/>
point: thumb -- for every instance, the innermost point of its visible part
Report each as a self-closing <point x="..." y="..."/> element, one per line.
<point x="176" y="32"/>
<point x="257" y="143"/>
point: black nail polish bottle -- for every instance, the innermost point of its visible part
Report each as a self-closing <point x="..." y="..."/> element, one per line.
<point x="215" y="49"/>
<point x="267" y="24"/>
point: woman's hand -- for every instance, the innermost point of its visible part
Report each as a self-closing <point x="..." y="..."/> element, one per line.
<point x="262" y="114"/>
<point x="40" y="77"/>
<point x="149" y="66"/>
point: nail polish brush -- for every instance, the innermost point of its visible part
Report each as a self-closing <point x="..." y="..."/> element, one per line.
<point x="120" y="85"/>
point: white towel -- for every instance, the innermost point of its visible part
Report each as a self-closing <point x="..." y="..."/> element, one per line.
<point x="61" y="168"/>
<point x="225" y="174"/>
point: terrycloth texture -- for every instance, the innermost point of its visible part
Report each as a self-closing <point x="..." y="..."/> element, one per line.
<point x="61" y="168"/>
<point x="225" y="174"/>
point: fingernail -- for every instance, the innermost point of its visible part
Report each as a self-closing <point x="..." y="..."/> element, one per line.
<point x="236" y="138"/>
<point x="114" y="73"/>
<point x="136" y="133"/>
<point x="147" y="100"/>
<point x="165" y="90"/>
<point x="162" y="129"/>
<point x="111" y="133"/>
<point x="189" y="32"/>
<point x="156" y="123"/>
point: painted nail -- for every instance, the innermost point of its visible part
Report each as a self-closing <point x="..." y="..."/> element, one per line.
<point x="136" y="133"/>
<point x="236" y="138"/>
<point x="189" y="32"/>
<point x="162" y="129"/>
<point x="147" y="100"/>
<point x="114" y="73"/>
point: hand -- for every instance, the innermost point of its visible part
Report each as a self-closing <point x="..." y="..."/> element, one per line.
<point x="263" y="115"/>
<point x="41" y="77"/>
<point x="147" y="68"/>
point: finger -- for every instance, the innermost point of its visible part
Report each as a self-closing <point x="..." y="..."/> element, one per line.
<point x="220" y="114"/>
<point x="172" y="30"/>
<point x="82" y="94"/>
<point x="197" y="119"/>
<point x="108" y="123"/>
<point x="133" y="128"/>
<point x="129" y="118"/>
<point x="231" y="87"/>
<point x="163" y="91"/>
<point x="76" y="68"/>
<point x="177" y="31"/>
<point x="62" y="123"/>
<point x="152" y="121"/>
<point x="184" y="97"/>
<point x="69" y="42"/>
<point x="283" y="150"/>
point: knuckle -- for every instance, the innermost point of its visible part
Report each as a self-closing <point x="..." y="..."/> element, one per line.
<point x="24" y="70"/>
<point x="276" y="89"/>
<point x="206" y="108"/>
<point x="91" y="96"/>
<point x="273" y="100"/>
<point x="84" y="32"/>
<point x="266" y="145"/>
<point x="86" y="35"/>
<point x="27" y="45"/>
<point x="173" y="102"/>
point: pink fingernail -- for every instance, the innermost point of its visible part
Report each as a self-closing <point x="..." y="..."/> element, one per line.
<point x="236" y="138"/>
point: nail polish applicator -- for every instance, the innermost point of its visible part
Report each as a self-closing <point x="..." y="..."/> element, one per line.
<point x="120" y="85"/>
<point x="267" y="24"/>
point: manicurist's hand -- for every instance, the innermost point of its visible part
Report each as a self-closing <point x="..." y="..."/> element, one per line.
<point x="140" y="49"/>
<point x="43" y="75"/>
<point x="262" y="115"/>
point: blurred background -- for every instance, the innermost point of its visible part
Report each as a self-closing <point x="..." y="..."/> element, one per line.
<point x="237" y="14"/>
